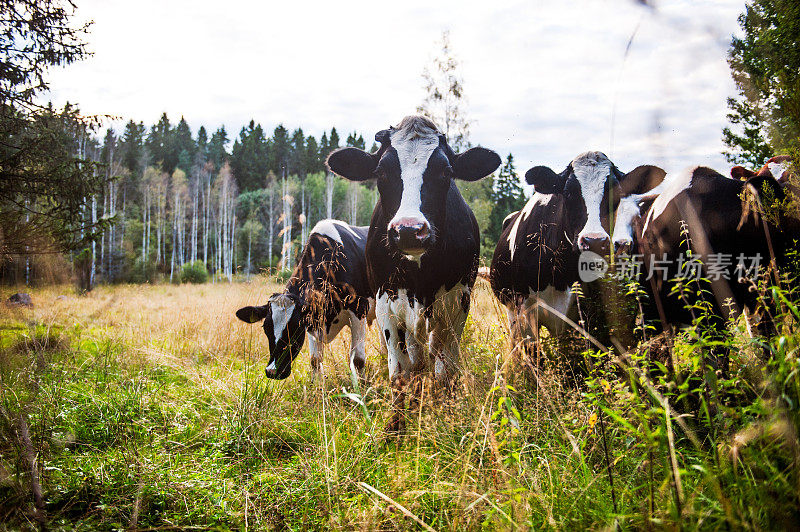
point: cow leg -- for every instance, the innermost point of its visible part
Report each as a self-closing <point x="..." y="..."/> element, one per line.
<point x="416" y="355"/>
<point x="532" y="348"/>
<point x="448" y="322"/>
<point x="524" y="331"/>
<point x="358" y="354"/>
<point x="398" y="359"/>
<point x="315" y="348"/>
<point x="516" y="328"/>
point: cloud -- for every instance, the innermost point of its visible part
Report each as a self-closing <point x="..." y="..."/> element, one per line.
<point x="543" y="79"/>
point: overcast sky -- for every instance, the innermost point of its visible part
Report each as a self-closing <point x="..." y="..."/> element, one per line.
<point x="542" y="78"/>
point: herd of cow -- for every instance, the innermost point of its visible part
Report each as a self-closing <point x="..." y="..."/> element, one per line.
<point x="414" y="267"/>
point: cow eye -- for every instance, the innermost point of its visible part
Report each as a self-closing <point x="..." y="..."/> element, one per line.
<point x="448" y="172"/>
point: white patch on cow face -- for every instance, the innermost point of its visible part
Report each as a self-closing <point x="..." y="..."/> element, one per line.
<point x="592" y="170"/>
<point x="536" y="199"/>
<point x="413" y="152"/>
<point x="628" y="210"/>
<point x="672" y="185"/>
<point x="282" y="309"/>
<point x="777" y="170"/>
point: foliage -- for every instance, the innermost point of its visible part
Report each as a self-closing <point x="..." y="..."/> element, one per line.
<point x="765" y="65"/>
<point x="33" y="37"/>
<point x="46" y="174"/>
<point x="507" y="197"/>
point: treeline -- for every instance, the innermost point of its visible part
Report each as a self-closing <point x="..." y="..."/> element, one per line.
<point x="179" y="202"/>
<point x="183" y="207"/>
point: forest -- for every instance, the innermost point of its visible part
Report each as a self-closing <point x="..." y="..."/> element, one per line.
<point x="178" y="205"/>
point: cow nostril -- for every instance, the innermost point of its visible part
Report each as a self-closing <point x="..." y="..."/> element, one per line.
<point x="423" y="232"/>
<point x="596" y="245"/>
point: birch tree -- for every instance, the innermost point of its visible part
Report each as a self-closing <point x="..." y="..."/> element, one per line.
<point x="444" y="95"/>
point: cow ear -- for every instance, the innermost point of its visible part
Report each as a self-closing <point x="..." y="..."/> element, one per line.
<point x="741" y="173"/>
<point x="252" y="314"/>
<point x="475" y="163"/>
<point x="641" y="179"/>
<point x="544" y="180"/>
<point x="382" y="136"/>
<point x="352" y="164"/>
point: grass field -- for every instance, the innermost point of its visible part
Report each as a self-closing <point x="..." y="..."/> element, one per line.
<point x="146" y="407"/>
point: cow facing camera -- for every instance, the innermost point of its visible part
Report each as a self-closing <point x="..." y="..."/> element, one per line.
<point x="591" y="266"/>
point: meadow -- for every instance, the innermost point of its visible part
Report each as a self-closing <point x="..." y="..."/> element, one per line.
<point x="146" y="407"/>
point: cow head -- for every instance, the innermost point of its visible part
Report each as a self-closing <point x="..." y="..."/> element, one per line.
<point x="415" y="168"/>
<point x="778" y="168"/>
<point x="590" y="190"/>
<point x="285" y="330"/>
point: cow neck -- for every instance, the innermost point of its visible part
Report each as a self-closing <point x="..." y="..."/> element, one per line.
<point x="296" y="287"/>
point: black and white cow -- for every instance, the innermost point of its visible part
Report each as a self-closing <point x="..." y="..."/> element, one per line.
<point x="423" y="243"/>
<point x="722" y="221"/>
<point x="537" y="255"/>
<point x="326" y="291"/>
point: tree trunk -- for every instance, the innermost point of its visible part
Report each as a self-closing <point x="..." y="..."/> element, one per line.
<point x="353" y="203"/>
<point x="271" y="226"/>
<point x="94" y="243"/>
<point x="329" y="195"/>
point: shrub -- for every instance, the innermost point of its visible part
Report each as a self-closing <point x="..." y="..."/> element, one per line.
<point x="143" y="272"/>
<point x="194" y="272"/>
<point x="282" y="276"/>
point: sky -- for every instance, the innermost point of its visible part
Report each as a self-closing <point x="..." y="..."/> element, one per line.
<point x="544" y="80"/>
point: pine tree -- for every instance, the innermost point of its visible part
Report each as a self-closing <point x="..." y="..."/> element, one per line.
<point x="279" y="151"/>
<point x="131" y="146"/>
<point x="161" y="144"/>
<point x="507" y="197"/>
<point x="298" y="154"/>
<point x="185" y="146"/>
<point x="311" y="162"/>
<point x="202" y="142"/>
<point x="217" y="148"/>
<point x="250" y="157"/>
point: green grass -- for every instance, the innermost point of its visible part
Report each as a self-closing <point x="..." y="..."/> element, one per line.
<point x="148" y="408"/>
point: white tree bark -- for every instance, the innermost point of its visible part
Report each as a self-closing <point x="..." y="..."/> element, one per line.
<point x="353" y="203"/>
<point x="94" y="243"/>
<point x="329" y="195"/>
<point x="271" y="219"/>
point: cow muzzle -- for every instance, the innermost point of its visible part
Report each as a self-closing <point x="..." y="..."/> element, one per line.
<point x="595" y="243"/>
<point x="411" y="236"/>
<point x="623" y="246"/>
